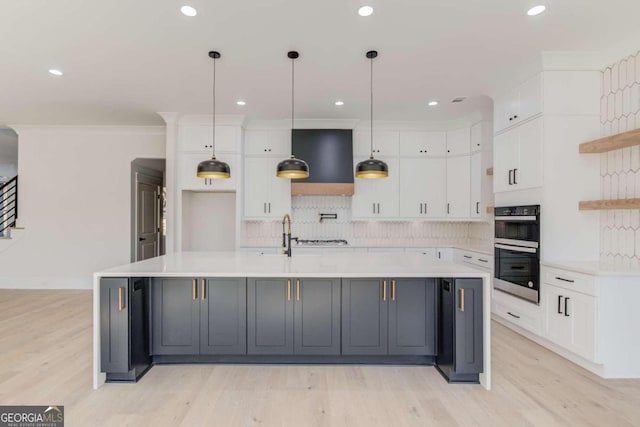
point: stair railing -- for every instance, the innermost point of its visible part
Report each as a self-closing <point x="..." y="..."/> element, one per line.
<point x="8" y="205"/>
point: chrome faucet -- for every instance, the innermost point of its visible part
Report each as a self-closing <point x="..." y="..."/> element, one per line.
<point x="286" y="237"/>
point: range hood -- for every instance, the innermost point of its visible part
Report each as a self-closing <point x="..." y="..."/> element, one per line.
<point x="329" y="153"/>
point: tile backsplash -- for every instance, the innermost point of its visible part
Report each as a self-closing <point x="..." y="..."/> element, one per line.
<point x="620" y="169"/>
<point x="305" y="214"/>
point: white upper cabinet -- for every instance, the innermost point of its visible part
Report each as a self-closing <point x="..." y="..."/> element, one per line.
<point x="266" y="142"/>
<point x="423" y="189"/>
<point x="458" y="142"/>
<point x="423" y="144"/>
<point x="385" y="143"/>
<point x="478" y="205"/>
<point x="518" y="105"/>
<point x="458" y="187"/>
<point x="377" y="198"/>
<point x="265" y="195"/>
<point x="199" y="138"/>
<point x="517" y="160"/>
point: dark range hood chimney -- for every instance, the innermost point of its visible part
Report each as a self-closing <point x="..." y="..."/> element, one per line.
<point x="329" y="153"/>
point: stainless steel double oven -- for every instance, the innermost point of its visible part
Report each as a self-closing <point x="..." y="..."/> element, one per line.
<point x="517" y="251"/>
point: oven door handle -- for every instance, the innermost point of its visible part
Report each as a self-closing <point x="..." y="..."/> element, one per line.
<point x="517" y="249"/>
<point x="529" y="218"/>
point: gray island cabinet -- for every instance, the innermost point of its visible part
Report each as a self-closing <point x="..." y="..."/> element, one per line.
<point x="293" y="316"/>
<point x="231" y="307"/>
<point x="194" y="316"/>
<point x="389" y="316"/>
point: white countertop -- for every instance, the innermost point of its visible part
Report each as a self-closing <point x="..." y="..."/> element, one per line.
<point x="482" y="249"/>
<point x="243" y="264"/>
<point x="594" y="268"/>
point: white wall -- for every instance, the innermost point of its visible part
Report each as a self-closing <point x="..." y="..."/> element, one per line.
<point x="74" y="203"/>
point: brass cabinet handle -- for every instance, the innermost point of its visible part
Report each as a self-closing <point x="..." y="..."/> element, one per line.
<point x="120" y="299"/>
<point x="204" y="287"/>
<point x="384" y="290"/>
<point x="461" y="299"/>
<point x="297" y="289"/>
<point x="194" y="290"/>
<point x="393" y="290"/>
<point x="289" y="290"/>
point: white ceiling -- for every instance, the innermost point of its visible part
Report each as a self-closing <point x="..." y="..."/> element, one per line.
<point x="125" y="60"/>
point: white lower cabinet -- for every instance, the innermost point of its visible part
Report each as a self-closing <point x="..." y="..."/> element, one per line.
<point x="570" y="320"/>
<point x="522" y="313"/>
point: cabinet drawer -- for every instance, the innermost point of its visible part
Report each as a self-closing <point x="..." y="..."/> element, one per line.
<point x="475" y="259"/>
<point x="571" y="280"/>
<point x="518" y="312"/>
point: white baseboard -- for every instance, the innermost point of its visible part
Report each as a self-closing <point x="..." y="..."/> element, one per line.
<point x="46" y="282"/>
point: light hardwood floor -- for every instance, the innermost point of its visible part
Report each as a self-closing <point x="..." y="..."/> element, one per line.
<point x="45" y="358"/>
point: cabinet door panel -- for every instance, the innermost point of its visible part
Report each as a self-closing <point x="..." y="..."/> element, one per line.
<point x="459" y="186"/>
<point x="176" y="317"/>
<point x="529" y="173"/>
<point x="256" y="186"/>
<point x="223" y="327"/>
<point x="422" y="188"/>
<point x="267" y="142"/>
<point x="530" y="98"/>
<point x="582" y="313"/>
<point x="468" y="326"/>
<point x="377" y="198"/>
<point x="364" y="317"/>
<point x="199" y="138"/>
<point x="505" y="159"/>
<point x="476" y="185"/>
<point x="114" y="325"/>
<point x="317" y="316"/>
<point x="412" y="317"/>
<point x="270" y="317"/>
<point x="385" y="143"/>
<point x="279" y="202"/>
<point x="459" y="142"/>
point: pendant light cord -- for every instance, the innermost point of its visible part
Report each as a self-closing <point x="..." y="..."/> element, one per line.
<point x="371" y="89"/>
<point x="293" y="73"/>
<point x="213" y="142"/>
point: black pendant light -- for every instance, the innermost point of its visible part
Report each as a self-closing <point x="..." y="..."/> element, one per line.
<point x="372" y="168"/>
<point x="214" y="168"/>
<point x="293" y="168"/>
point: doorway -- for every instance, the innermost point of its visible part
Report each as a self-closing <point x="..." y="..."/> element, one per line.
<point x="148" y="208"/>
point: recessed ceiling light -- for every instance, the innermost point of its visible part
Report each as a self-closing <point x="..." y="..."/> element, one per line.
<point x="188" y="11"/>
<point x="536" y="10"/>
<point x="365" y="11"/>
<point x="432" y="103"/>
<point x="339" y="103"/>
<point x="56" y="72"/>
<point x="241" y="103"/>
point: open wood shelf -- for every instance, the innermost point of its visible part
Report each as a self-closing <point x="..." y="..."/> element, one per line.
<point x="489" y="171"/>
<point x="613" y="142"/>
<point x="595" y="205"/>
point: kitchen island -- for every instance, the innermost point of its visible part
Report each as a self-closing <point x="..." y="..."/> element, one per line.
<point x="305" y="309"/>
